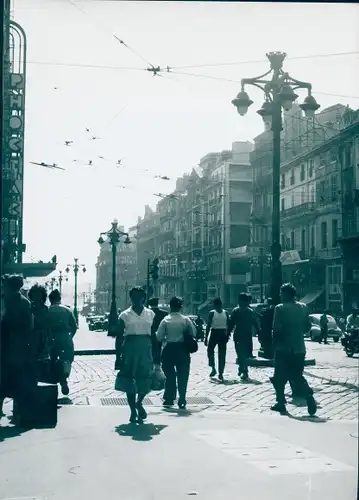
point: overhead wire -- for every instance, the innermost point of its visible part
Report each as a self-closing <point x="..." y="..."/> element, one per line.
<point x="236" y="63"/>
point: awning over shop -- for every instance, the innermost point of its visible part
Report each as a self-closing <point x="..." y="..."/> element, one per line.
<point x="311" y="296"/>
<point x="31" y="269"/>
<point x="205" y="304"/>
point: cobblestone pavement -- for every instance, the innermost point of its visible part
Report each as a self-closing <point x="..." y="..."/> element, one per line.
<point x="334" y="380"/>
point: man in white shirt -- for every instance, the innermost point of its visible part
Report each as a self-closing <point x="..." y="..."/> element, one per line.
<point x="176" y="360"/>
<point x="217" y="328"/>
<point x="353" y="320"/>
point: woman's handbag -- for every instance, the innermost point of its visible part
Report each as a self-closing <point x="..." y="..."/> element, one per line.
<point x="158" y="379"/>
<point x="190" y="343"/>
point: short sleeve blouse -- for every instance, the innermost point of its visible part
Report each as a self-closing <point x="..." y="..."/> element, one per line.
<point x="137" y="324"/>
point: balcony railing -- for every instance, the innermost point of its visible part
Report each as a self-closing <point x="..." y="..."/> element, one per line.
<point x="329" y="253"/>
<point x="299" y="210"/>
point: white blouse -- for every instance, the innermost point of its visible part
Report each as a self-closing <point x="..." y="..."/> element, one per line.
<point x="137" y="324"/>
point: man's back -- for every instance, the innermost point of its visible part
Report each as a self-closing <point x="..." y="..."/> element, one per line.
<point x="61" y="319"/>
<point x="243" y="320"/>
<point x="290" y="323"/>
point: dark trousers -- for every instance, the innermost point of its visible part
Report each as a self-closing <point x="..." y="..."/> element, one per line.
<point x="289" y="367"/>
<point x="176" y="362"/>
<point x="243" y="351"/>
<point x="324" y="335"/>
<point x="217" y="338"/>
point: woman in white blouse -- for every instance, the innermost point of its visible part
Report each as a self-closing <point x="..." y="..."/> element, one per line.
<point x="176" y="359"/>
<point x="136" y="353"/>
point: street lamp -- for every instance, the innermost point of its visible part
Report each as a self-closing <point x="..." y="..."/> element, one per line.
<point x="279" y="93"/>
<point x="76" y="268"/>
<point x="113" y="235"/>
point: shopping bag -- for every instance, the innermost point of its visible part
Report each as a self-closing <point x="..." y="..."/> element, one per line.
<point x="190" y="343"/>
<point x="158" y="379"/>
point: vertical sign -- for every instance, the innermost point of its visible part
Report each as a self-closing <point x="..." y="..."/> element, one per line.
<point x="14" y="162"/>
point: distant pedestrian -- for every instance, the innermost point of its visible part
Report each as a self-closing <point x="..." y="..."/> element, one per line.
<point x="17" y="363"/>
<point x="290" y="324"/>
<point x="176" y="359"/>
<point x="243" y="320"/>
<point x="63" y="327"/>
<point x="136" y="353"/>
<point x="324" y="328"/>
<point x="199" y="324"/>
<point x="217" y="331"/>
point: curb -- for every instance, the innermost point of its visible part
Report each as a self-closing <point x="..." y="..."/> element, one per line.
<point x="256" y="362"/>
<point x="95" y="352"/>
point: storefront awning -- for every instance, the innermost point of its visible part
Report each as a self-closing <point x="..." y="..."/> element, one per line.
<point x="311" y="296"/>
<point x="205" y="304"/>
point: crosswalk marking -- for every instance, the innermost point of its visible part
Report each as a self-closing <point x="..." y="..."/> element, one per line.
<point x="270" y="454"/>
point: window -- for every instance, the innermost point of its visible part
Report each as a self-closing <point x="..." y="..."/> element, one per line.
<point x="312" y="243"/>
<point x="311" y="168"/>
<point x="292" y="177"/>
<point x="302" y="243"/>
<point x="282" y="184"/>
<point x="292" y="240"/>
<point x="282" y="241"/>
<point x="334" y="188"/>
<point x="302" y="172"/>
<point x="324" y="235"/>
<point x="302" y="196"/>
<point x="282" y="204"/>
<point x="334" y="232"/>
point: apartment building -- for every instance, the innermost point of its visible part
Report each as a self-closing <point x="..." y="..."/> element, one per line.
<point x="312" y="211"/>
<point x="195" y="228"/>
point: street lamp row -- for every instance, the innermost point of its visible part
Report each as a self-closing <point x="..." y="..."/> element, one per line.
<point x="76" y="267"/>
<point x="279" y="93"/>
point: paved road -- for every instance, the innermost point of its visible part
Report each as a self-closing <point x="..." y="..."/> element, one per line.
<point x="93" y="453"/>
<point x="334" y="380"/>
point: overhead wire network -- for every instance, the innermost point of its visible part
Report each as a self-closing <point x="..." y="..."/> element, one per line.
<point x="159" y="71"/>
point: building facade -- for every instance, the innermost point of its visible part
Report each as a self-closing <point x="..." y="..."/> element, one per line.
<point x="312" y="211"/>
<point x="193" y="230"/>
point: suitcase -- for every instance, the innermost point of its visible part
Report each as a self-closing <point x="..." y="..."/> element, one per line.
<point x="39" y="410"/>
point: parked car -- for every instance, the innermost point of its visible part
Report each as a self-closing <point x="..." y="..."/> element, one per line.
<point x="334" y="331"/>
<point x="98" y="323"/>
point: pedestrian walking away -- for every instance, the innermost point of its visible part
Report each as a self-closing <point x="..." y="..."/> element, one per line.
<point x="243" y="320"/>
<point x="217" y="330"/>
<point x="324" y="328"/>
<point x="290" y="324"/>
<point x="63" y="327"/>
<point x="17" y="363"/>
<point x="136" y="353"/>
<point x="159" y="314"/>
<point x="176" y="359"/>
<point x="41" y="332"/>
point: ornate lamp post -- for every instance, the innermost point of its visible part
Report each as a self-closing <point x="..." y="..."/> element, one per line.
<point x="76" y="268"/>
<point x="279" y="92"/>
<point x="114" y="235"/>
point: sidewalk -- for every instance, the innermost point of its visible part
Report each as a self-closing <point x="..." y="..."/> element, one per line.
<point x="93" y="453"/>
<point x="94" y="377"/>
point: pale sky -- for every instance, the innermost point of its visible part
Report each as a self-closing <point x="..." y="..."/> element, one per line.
<point x="167" y="123"/>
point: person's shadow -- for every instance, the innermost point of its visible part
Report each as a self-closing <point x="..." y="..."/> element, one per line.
<point x="9" y="431"/>
<point x="140" y="432"/>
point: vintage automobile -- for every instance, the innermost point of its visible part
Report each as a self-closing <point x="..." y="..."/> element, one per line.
<point x="98" y="323"/>
<point x="334" y="332"/>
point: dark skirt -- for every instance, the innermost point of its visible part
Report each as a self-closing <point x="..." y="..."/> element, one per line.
<point x="135" y="376"/>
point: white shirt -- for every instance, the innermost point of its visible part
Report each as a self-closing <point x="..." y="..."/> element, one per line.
<point x="173" y="326"/>
<point x="137" y="324"/>
<point x="219" y="320"/>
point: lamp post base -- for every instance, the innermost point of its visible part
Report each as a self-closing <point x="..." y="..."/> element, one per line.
<point x="112" y="320"/>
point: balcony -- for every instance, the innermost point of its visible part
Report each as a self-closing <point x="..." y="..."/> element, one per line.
<point x="329" y="253"/>
<point x="304" y="210"/>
